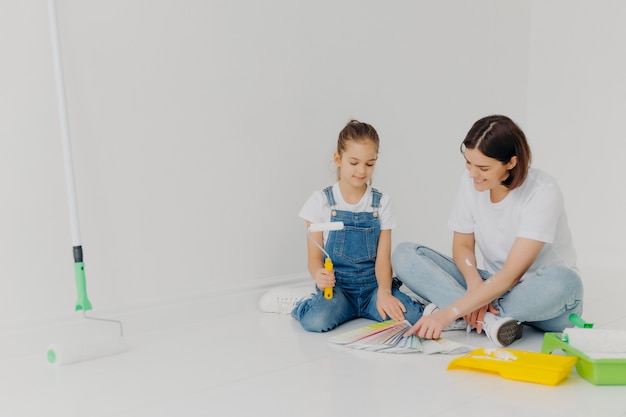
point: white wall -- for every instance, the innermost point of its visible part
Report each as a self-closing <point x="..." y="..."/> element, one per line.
<point x="577" y="103"/>
<point x="200" y="127"/>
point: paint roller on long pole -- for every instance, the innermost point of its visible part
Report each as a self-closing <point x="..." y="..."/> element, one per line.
<point x="328" y="264"/>
<point x="82" y="348"/>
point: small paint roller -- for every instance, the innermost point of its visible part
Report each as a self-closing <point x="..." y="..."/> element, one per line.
<point x="328" y="264"/>
<point x="596" y="340"/>
<point x="589" y="340"/>
<point x="84" y="346"/>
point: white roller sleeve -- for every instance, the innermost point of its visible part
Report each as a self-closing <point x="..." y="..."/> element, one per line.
<point x="325" y="227"/>
<point x="597" y="340"/>
<point x="67" y="352"/>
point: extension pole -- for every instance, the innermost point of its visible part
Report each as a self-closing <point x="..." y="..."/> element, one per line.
<point x="83" y="302"/>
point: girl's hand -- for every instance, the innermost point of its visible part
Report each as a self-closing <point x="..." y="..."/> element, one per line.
<point x="389" y="306"/>
<point x="475" y="318"/>
<point x="324" y="278"/>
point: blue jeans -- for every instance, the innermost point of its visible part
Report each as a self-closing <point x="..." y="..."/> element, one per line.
<point x="350" y="301"/>
<point x="544" y="300"/>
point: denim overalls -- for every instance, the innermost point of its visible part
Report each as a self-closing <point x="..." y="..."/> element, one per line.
<point x="353" y="253"/>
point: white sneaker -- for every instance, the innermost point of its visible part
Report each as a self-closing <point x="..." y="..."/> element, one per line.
<point x="458" y="324"/>
<point x="283" y="300"/>
<point x="502" y="330"/>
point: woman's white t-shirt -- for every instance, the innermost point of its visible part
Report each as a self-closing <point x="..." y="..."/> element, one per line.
<point x="535" y="210"/>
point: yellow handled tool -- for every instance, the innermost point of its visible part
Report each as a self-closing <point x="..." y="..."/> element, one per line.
<point x="328" y="264"/>
<point x="328" y="291"/>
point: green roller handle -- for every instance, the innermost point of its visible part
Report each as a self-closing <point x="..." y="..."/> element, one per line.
<point x="83" y="302"/>
<point x="577" y="321"/>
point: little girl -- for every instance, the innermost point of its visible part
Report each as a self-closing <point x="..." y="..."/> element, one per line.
<point x="361" y="278"/>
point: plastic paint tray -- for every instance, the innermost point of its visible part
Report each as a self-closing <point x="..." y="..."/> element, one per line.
<point x="519" y="365"/>
<point x="596" y="371"/>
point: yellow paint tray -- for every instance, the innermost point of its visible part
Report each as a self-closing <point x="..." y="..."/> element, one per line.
<point x="596" y="371"/>
<point x="519" y="365"/>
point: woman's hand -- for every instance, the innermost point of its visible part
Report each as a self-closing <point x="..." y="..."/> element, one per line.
<point x="389" y="306"/>
<point x="475" y="318"/>
<point x="431" y="326"/>
<point x="324" y="278"/>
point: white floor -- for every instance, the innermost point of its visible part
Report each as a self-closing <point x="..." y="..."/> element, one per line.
<point x="242" y="362"/>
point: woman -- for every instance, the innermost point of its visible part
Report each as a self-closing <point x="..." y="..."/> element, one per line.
<point x="515" y="216"/>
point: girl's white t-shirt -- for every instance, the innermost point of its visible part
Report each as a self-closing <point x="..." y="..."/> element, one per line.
<point x="317" y="210"/>
<point x="535" y="210"/>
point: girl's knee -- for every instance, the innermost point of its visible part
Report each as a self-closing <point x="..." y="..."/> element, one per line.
<point x="310" y="327"/>
<point x="324" y="315"/>
<point x="317" y="324"/>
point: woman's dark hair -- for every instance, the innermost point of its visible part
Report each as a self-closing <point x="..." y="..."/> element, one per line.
<point x="500" y="138"/>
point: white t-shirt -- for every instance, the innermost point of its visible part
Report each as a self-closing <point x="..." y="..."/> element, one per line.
<point x="317" y="210"/>
<point x="535" y="210"/>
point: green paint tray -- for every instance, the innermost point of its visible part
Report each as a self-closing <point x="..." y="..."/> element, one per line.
<point x="519" y="365"/>
<point x="596" y="371"/>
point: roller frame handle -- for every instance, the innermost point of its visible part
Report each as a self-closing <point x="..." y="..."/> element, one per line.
<point x="83" y="302"/>
<point x="328" y="265"/>
<point x="328" y="291"/>
<point x="579" y="322"/>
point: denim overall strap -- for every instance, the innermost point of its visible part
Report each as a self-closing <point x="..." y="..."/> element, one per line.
<point x="330" y="198"/>
<point x="376" y="196"/>
<point x="353" y="249"/>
